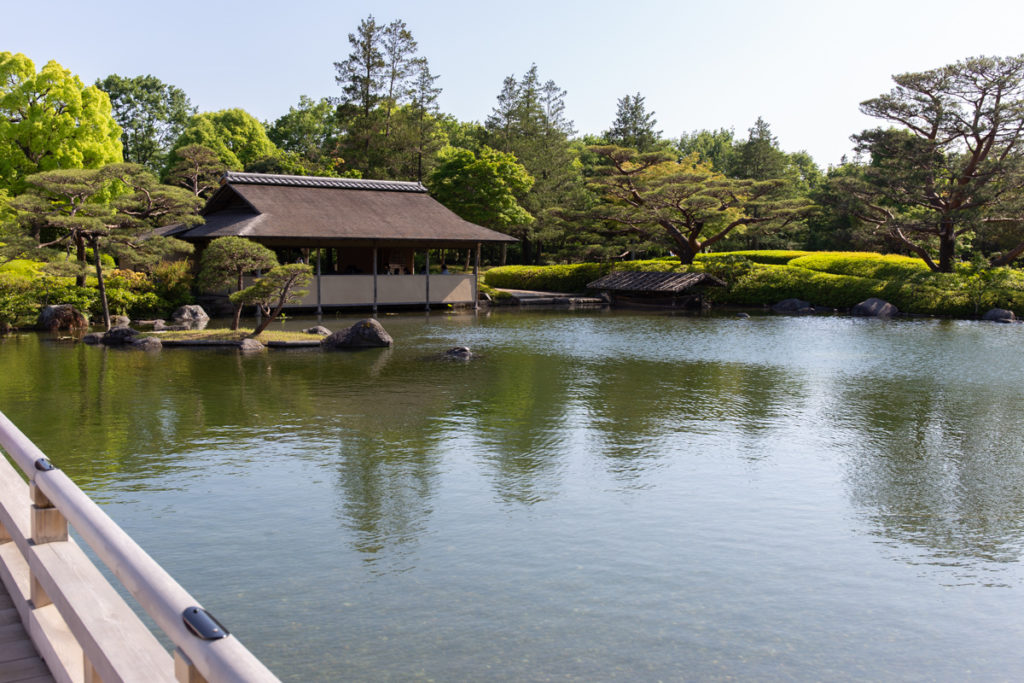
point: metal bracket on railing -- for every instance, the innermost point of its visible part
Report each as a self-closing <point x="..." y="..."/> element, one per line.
<point x="44" y="465"/>
<point x="202" y="624"/>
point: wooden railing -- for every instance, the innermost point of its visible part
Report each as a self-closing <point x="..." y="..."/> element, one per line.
<point x="81" y="626"/>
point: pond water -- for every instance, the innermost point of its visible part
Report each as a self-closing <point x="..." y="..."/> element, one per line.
<point x="596" y="496"/>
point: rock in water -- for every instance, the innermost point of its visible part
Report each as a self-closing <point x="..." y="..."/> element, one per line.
<point x="147" y="344"/>
<point x="319" y="329"/>
<point x="117" y="336"/>
<point x="875" y="307"/>
<point x="999" y="315"/>
<point x="249" y="345"/>
<point x="364" y="334"/>
<point x="458" y="353"/>
<point x="798" y="306"/>
<point x="61" y="317"/>
<point x="120" y="321"/>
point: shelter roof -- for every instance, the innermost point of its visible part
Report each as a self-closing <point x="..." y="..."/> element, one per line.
<point x="660" y="283"/>
<point x="304" y="208"/>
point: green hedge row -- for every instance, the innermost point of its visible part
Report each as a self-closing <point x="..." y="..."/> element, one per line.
<point x="863" y="264"/>
<point x="777" y="257"/>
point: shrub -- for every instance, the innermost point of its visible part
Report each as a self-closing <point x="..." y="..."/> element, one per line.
<point x="17" y="305"/>
<point x="563" y="278"/>
<point x="778" y="257"/>
<point x="22" y="268"/>
<point x="49" y="290"/>
<point x="172" y="282"/>
<point x="864" y="264"/>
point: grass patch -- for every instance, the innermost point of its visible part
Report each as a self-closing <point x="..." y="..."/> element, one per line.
<point x="235" y="335"/>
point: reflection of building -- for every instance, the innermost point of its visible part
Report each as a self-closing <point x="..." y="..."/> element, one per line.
<point x="361" y="235"/>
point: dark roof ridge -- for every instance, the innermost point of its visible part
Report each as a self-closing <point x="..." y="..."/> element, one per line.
<point x="239" y="178"/>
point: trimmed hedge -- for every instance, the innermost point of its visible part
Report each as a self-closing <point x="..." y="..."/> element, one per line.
<point x="778" y="257"/>
<point x="863" y="264"/>
<point x="564" y="278"/>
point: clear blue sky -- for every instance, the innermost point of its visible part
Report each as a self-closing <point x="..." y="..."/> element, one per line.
<point x="804" y="65"/>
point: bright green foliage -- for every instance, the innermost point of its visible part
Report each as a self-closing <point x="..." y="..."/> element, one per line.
<point x="49" y="120"/>
<point x="482" y="189"/>
<point x="308" y="130"/>
<point x="227" y="259"/>
<point x="172" y="282"/>
<point x="270" y="293"/>
<point x="778" y="257"/>
<point x="16" y="301"/>
<point x="151" y="113"/>
<point x="862" y="264"/>
<point x="234" y="135"/>
<point x="563" y="278"/>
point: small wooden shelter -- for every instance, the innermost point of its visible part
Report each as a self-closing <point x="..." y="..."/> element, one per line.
<point x="361" y="235"/>
<point x="673" y="290"/>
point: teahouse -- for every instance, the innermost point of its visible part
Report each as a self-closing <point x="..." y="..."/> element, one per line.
<point x="360" y="235"/>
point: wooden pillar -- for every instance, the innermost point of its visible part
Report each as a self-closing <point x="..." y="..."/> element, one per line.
<point x="375" y="280"/>
<point x="476" y="279"/>
<point x="319" y="309"/>
<point x="184" y="670"/>
<point x="47" y="525"/>
<point x="426" y="270"/>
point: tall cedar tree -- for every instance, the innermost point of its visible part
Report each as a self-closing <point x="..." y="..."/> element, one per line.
<point x="529" y="121"/>
<point x="634" y="125"/>
<point x="953" y="163"/>
<point x="381" y="77"/>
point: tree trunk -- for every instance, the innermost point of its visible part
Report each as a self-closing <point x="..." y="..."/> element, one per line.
<point x="99" y="280"/>
<point x="82" y="260"/>
<point x="947" y="246"/>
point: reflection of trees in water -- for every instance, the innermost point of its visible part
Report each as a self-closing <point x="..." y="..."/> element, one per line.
<point x="641" y="410"/>
<point x="386" y="481"/>
<point x="516" y="415"/>
<point x="940" y="466"/>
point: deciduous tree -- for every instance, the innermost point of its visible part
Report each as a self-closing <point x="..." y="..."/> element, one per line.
<point x="234" y="135"/>
<point x="151" y="113"/>
<point x="482" y="189"/>
<point x="49" y="120"/>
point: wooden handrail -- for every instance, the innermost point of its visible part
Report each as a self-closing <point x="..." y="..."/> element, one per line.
<point x="222" y="659"/>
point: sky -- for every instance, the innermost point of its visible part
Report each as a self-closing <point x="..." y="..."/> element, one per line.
<point x="804" y="66"/>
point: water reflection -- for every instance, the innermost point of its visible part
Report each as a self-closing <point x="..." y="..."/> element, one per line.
<point x="938" y="467"/>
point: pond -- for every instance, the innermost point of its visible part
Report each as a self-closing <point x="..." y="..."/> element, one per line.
<point x="596" y="496"/>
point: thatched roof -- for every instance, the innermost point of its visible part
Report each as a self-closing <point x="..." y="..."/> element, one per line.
<point x="654" y="283"/>
<point x="323" y="211"/>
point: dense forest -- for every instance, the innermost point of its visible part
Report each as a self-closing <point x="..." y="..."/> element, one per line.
<point x="940" y="177"/>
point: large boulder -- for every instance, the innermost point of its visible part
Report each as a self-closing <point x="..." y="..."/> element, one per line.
<point x="120" y="321"/>
<point x="875" y="307"/>
<point x="794" y="306"/>
<point x="999" y="315"/>
<point x="364" y="334"/>
<point x="117" y="336"/>
<point x="193" y="317"/>
<point x="61" y="317"/>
